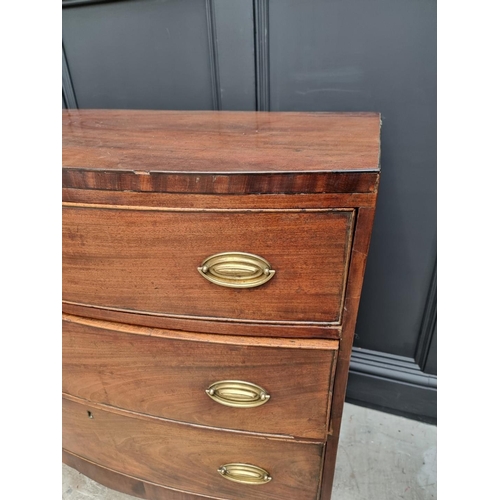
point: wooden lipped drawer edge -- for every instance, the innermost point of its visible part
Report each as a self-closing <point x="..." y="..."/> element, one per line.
<point x="190" y="458"/>
<point x="286" y="384"/>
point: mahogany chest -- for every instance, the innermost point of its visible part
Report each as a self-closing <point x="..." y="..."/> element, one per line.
<point x="212" y="270"/>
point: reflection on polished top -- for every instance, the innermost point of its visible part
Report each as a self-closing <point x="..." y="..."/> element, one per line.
<point x="220" y="141"/>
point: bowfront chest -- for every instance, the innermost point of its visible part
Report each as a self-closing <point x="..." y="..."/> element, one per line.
<point x="212" y="269"/>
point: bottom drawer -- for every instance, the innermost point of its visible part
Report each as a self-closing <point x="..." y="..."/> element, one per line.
<point x="190" y="458"/>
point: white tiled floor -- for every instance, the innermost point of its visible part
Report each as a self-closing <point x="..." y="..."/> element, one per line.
<point x="380" y="457"/>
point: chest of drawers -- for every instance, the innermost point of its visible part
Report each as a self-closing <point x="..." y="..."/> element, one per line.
<point x="212" y="269"/>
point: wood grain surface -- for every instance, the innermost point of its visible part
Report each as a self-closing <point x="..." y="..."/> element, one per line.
<point x="126" y="483"/>
<point x="287" y="343"/>
<point x="167" y="377"/>
<point x="207" y="202"/>
<point x="221" y="152"/>
<point x="266" y="330"/>
<point x="209" y="183"/>
<point x="145" y="260"/>
<point x="187" y="457"/>
<point x="223" y="142"/>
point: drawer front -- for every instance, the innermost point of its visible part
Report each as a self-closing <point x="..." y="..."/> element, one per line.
<point x="189" y="458"/>
<point x="138" y="369"/>
<point x="148" y="260"/>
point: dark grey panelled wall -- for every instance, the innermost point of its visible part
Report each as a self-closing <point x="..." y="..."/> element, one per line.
<point x="142" y="54"/>
<point x="316" y="55"/>
<point x="161" y="54"/>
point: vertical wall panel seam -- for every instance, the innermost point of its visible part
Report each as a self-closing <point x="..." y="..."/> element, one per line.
<point x="67" y="84"/>
<point x="261" y="30"/>
<point x="428" y="325"/>
<point x="213" y="55"/>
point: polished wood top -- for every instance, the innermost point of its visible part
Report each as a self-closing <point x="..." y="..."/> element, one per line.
<point x="220" y="141"/>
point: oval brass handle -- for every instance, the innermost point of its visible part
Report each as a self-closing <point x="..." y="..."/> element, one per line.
<point x="238" y="394"/>
<point x="244" y="473"/>
<point x="236" y="270"/>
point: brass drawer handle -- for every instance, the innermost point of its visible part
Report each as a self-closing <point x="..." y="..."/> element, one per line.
<point x="244" y="473"/>
<point x="236" y="270"/>
<point x="238" y="394"/>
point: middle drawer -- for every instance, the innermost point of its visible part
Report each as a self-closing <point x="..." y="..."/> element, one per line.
<point x="273" y="386"/>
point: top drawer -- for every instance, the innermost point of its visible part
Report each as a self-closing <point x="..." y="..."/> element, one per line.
<point x="147" y="260"/>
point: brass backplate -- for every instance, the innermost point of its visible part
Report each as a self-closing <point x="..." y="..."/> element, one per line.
<point x="244" y="473"/>
<point x="236" y="270"/>
<point x="238" y="394"/>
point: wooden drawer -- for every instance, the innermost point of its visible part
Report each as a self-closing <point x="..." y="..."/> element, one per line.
<point x="167" y="373"/>
<point x="186" y="457"/>
<point x="146" y="260"/>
